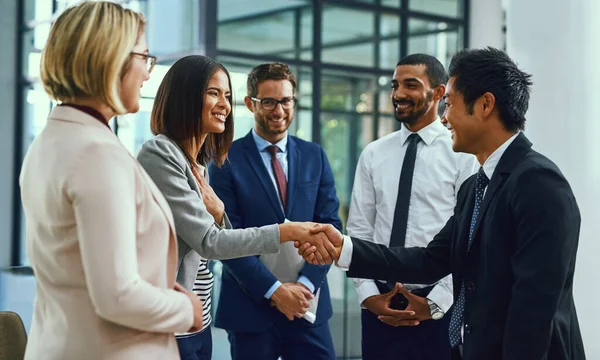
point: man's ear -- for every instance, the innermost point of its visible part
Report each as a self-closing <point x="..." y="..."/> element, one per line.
<point x="438" y="92"/>
<point x="249" y="103"/>
<point x="487" y="103"/>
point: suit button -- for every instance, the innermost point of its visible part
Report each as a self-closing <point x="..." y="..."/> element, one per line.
<point x="467" y="329"/>
<point x="471" y="286"/>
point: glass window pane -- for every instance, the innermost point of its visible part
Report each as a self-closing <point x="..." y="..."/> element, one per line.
<point x="385" y="102"/>
<point x="391" y="3"/>
<point x="449" y="8"/>
<point x="389" y="53"/>
<point x="439" y="39"/>
<point x="389" y="47"/>
<point x="266" y="27"/>
<point x="343" y="41"/>
<point x="302" y="125"/>
<point x="387" y="125"/>
<point x="347" y="94"/>
<point x="173" y="27"/>
<point x="37" y="107"/>
<point x="37" y="10"/>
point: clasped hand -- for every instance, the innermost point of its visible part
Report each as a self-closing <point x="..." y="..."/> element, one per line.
<point x="321" y="245"/>
<point x="292" y="300"/>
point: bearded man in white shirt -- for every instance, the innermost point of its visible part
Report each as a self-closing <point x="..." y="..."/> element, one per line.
<point x="405" y="189"/>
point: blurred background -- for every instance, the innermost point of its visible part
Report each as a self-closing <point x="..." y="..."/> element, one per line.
<point x="343" y="53"/>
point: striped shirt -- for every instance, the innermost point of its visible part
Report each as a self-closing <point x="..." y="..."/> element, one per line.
<point x="202" y="288"/>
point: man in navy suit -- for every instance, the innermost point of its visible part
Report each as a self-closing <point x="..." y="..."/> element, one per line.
<point x="275" y="305"/>
<point x="511" y="243"/>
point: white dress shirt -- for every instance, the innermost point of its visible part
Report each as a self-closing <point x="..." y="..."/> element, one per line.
<point x="438" y="174"/>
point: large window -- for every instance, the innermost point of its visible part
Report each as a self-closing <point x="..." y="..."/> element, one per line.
<point x="343" y="53"/>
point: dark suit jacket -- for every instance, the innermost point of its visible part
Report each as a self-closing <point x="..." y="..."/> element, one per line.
<point x="518" y="272"/>
<point x="246" y="189"/>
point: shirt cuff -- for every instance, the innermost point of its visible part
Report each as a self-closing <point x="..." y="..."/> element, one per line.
<point x="366" y="289"/>
<point x="306" y="282"/>
<point x="441" y="297"/>
<point x="346" y="254"/>
<point x="273" y="289"/>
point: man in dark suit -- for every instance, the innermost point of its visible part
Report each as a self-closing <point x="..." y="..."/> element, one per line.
<point x="512" y="241"/>
<point x="272" y="177"/>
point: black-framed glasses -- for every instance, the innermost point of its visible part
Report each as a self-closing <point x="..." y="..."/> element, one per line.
<point x="271" y="104"/>
<point x="150" y="60"/>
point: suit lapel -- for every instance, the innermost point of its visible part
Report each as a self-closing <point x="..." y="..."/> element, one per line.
<point x="256" y="163"/>
<point x="509" y="160"/>
<point x="293" y="174"/>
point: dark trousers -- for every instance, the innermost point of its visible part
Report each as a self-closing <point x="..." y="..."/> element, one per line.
<point x="291" y="340"/>
<point x="427" y="341"/>
<point x="196" y="347"/>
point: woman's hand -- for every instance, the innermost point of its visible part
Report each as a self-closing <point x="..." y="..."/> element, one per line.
<point x="197" y="305"/>
<point x="213" y="204"/>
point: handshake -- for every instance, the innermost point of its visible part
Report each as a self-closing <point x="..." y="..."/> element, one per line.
<point x="318" y="244"/>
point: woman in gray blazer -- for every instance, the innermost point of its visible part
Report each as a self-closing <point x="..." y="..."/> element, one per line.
<point x="193" y="124"/>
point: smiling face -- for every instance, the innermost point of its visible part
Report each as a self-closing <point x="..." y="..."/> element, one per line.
<point x="412" y="94"/>
<point x="466" y="129"/>
<point x="216" y="103"/>
<point x="134" y="78"/>
<point x="272" y="125"/>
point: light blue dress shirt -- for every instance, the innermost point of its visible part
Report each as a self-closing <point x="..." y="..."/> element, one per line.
<point x="265" y="155"/>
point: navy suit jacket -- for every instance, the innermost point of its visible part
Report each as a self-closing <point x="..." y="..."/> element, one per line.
<point x="246" y="189"/>
<point x="518" y="271"/>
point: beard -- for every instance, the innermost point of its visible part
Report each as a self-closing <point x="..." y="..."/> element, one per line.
<point x="263" y="122"/>
<point x="417" y="113"/>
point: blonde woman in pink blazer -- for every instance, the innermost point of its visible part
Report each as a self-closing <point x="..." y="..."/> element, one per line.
<point x="100" y="236"/>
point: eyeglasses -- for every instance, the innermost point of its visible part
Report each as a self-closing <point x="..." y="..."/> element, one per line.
<point x="150" y="60"/>
<point x="271" y="104"/>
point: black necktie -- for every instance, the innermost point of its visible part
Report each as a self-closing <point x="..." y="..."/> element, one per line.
<point x="398" y="235"/>
<point x="456" y="320"/>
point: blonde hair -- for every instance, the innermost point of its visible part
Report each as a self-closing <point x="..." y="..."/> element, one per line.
<point x="88" y="52"/>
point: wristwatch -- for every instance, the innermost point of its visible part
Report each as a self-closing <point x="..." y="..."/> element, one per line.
<point x="435" y="311"/>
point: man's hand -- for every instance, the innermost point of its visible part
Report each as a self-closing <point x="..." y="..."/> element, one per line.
<point x="312" y="253"/>
<point x="417" y="306"/>
<point x="319" y="241"/>
<point x="291" y="300"/>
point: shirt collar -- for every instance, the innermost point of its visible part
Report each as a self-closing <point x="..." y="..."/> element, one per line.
<point x="263" y="144"/>
<point x="90" y="111"/>
<point x="427" y="134"/>
<point x="492" y="161"/>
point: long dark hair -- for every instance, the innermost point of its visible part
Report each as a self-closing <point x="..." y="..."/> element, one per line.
<point x="177" y="110"/>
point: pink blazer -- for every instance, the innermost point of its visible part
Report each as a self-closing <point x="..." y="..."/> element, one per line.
<point x="102" y="244"/>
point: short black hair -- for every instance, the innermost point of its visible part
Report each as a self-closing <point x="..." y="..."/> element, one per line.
<point x="477" y="71"/>
<point x="433" y="68"/>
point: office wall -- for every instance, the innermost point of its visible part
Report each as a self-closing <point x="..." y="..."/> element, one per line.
<point x="485" y="24"/>
<point x="8" y="78"/>
<point x="557" y="42"/>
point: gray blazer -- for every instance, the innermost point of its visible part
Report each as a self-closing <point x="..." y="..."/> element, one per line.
<point x="197" y="233"/>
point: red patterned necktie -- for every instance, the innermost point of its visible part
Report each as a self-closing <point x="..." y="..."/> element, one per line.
<point x="279" y="174"/>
